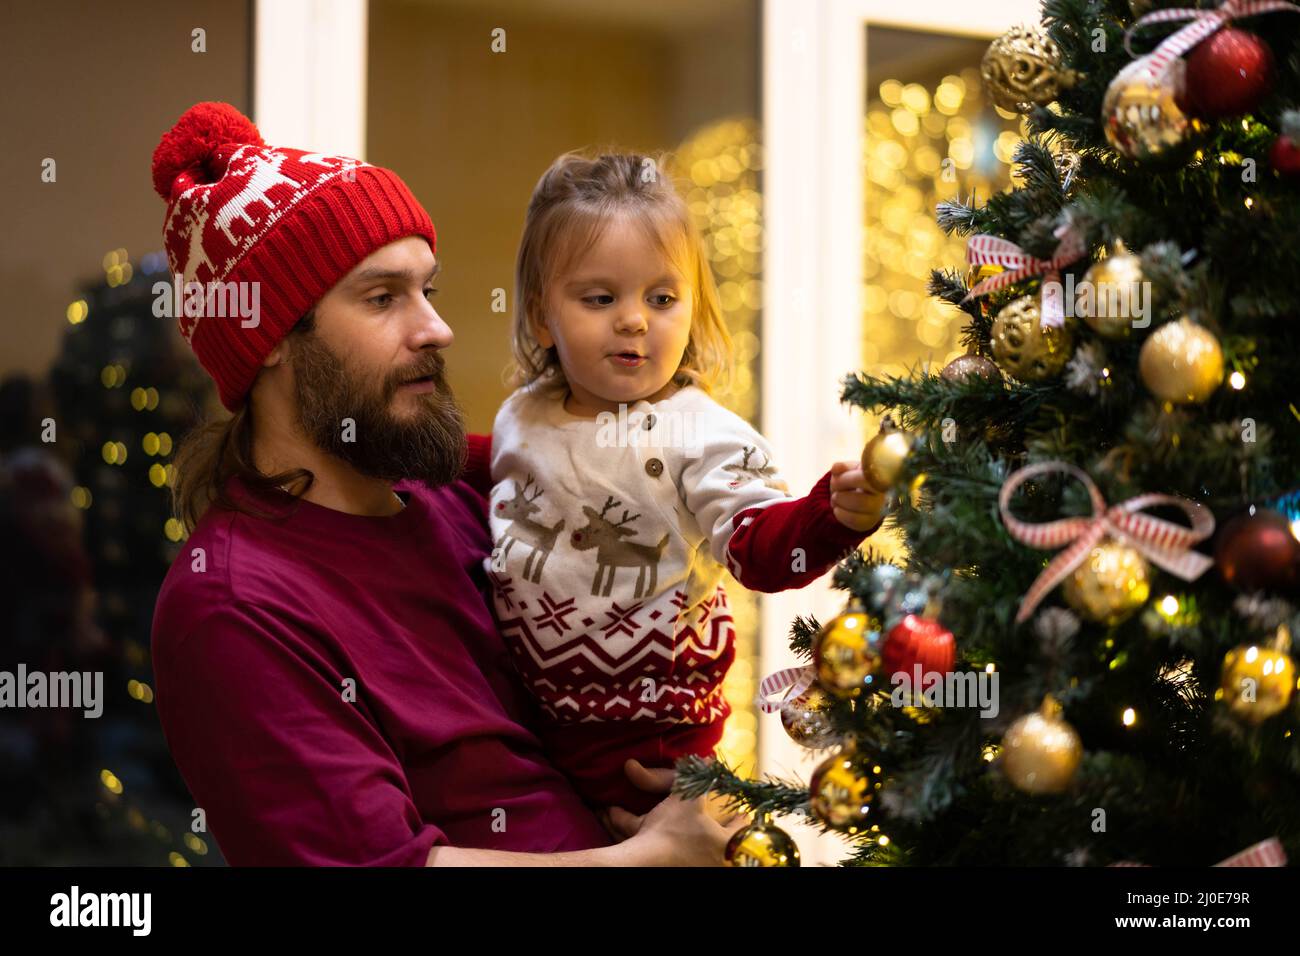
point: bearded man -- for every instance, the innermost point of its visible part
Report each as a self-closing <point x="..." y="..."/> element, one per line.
<point x="328" y="675"/>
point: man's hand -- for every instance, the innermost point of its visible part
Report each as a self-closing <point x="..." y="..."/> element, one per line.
<point x="855" y="504"/>
<point x="676" y="832"/>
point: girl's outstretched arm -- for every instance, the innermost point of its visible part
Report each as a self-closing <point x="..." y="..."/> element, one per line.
<point x="792" y="543"/>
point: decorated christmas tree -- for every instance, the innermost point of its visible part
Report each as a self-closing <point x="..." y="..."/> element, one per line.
<point x="88" y="509"/>
<point x="1085" y="656"/>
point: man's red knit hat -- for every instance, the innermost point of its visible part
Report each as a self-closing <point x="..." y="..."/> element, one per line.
<point x="295" y="222"/>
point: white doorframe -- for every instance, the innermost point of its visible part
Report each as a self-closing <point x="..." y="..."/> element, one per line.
<point x="309" y="74"/>
<point x="814" y="111"/>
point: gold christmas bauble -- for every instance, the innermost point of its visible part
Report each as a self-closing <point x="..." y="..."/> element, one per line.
<point x="1257" y="682"/>
<point x="762" y="843"/>
<point x="1041" y="752"/>
<point x="883" y="456"/>
<point x="1113" y="582"/>
<point x="1181" y="362"/>
<point x="843" y="788"/>
<point x="846" y="652"/>
<point x="806" y="718"/>
<point x="1023" y="67"/>
<point x="1140" y="112"/>
<point x="1023" y="348"/>
<point x="1110" y="295"/>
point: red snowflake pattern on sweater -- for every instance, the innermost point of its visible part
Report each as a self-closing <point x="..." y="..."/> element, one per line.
<point x="668" y="671"/>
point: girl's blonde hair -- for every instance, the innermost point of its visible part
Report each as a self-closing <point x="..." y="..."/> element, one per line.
<point x="571" y="205"/>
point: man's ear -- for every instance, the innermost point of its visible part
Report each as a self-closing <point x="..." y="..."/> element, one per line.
<point x="278" y="355"/>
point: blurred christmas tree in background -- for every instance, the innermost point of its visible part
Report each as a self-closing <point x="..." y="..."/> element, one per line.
<point x="1085" y="658"/>
<point x="87" y="507"/>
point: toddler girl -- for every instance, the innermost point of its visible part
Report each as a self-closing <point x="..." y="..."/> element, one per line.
<point x="621" y="489"/>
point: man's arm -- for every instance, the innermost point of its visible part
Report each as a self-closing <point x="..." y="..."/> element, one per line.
<point x="289" y="773"/>
<point x="676" y="832"/>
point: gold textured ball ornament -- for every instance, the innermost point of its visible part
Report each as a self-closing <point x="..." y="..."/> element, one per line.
<point x="1181" y="362"/>
<point x="846" y="652"/>
<point x="1022" y="68"/>
<point x="843" y="789"/>
<point x="1258" y="680"/>
<point x="1111" y="293"/>
<point x="806" y="718"/>
<point x="1040" y="751"/>
<point x="762" y="843"/>
<point x="1023" y="348"/>
<point x="883" y="456"/>
<point x="1113" y="581"/>
<point x="1140" y="112"/>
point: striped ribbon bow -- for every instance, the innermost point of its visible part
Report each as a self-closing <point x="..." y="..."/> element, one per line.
<point x="1163" y="543"/>
<point x="798" y="678"/>
<point x="990" y="250"/>
<point x="1204" y="23"/>
<point x="1265" y="853"/>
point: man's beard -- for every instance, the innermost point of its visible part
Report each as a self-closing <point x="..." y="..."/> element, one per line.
<point x="428" y="446"/>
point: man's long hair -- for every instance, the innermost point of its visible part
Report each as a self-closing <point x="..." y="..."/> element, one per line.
<point x="216" y="451"/>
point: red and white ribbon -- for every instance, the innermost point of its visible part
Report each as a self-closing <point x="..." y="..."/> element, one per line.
<point x="1204" y="23"/>
<point x="1163" y="543"/>
<point x="1265" y="853"/>
<point x="796" y="680"/>
<point x="990" y="250"/>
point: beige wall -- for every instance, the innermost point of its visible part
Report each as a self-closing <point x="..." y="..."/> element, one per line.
<point x="94" y="85"/>
<point x="471" y="130"/>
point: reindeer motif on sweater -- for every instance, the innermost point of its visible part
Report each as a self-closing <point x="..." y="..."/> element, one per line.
<point x="608" y="561"/>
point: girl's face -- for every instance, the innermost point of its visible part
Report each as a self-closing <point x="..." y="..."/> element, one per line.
<point x="620" y="320"/>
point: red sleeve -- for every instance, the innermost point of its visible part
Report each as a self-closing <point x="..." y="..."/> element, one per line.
<point x="761" y="552"/>
<point x="287" y="772"/>
<point x="478" y="464"/>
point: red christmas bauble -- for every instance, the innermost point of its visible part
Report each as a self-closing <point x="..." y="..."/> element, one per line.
<point x="918" y="640"/>
<point x="1285" y="156"/>
<point x="1258" y="552"/>
<point x="1228" y="73"/>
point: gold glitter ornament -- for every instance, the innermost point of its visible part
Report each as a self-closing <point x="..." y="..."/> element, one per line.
<point x="1040" y="751"/>
<point x="1181" y="362"/>
<point x="1112" y="293"/>
<point x="1113" y="582"/>
<point x="1258" y="680"/>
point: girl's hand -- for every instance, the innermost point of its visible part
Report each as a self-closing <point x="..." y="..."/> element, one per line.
<point x="855" y="505"/>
